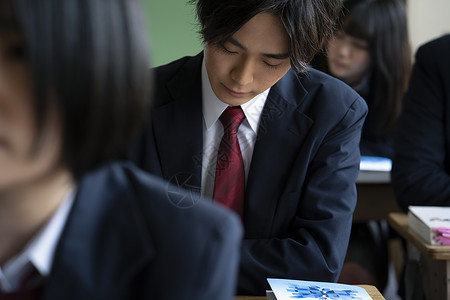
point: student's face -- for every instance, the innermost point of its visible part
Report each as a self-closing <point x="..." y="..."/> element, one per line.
<point x="348" y="58"/>
<point x="251" y="61"/>
<point x="22" y="161"/>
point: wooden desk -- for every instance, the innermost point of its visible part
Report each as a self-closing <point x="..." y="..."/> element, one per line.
<point x="434" y="260"/>
<point x="371" y="290"/>
<point x="399" y="221"/>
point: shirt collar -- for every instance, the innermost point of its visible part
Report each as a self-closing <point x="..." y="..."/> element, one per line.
<point x="213" y="107"/>
<point x="40" y="250"/>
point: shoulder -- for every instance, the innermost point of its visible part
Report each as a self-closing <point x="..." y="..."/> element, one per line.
<point x="437" y="48"/>
<point x="329" y="98"/>
<point x="138" y="222"/>
<point x="177" y="78"/>
<point x="163" y="206"/>
<point x="165" y="72"/>
<point x="434" y="57"/>
<point x="172" y="66"/>
<point x="432" y="65"/>
<point x="320" y="83"/>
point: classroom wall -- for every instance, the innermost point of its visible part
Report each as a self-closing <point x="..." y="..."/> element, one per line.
<point x="173" y="30"/>
<point x="427" y="19"/>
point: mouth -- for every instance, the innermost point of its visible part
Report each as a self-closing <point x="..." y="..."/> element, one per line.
<point x="235" y="93"/>
<point x="339" y="64"/>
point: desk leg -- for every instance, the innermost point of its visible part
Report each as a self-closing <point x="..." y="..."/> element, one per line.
<point x="414" y="287"/>
<point x="435" y="278"/>
<point x="447" y="277"/>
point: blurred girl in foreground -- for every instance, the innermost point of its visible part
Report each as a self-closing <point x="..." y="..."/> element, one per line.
<point x="74" y="85"/>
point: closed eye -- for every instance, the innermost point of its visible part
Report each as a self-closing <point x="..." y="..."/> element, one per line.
<point x="360" y="46"/>
<point x="225" y="50"/>
<point x="272" y="66"/>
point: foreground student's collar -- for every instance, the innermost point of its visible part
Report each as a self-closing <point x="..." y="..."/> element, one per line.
<point x="40" y="250"/>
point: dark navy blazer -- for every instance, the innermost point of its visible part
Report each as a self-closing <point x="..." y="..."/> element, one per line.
<point x="373" y="142"/>
<point x="131" y="235"/>
<point x="300" y="192"/>
<point x="421" y="166"/>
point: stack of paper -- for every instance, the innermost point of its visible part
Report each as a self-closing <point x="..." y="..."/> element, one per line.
<point x="374" y="169"/>
<point x="431" y="222"/>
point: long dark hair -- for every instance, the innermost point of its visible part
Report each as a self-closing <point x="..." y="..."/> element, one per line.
<point x="383" y="24"/>
<point x="307" y="22"/>
<point x="91" y="58"/>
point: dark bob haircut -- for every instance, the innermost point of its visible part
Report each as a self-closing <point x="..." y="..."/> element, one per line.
<point x="90" y="59"/>
<point x="383" y="25"/>
<point x="308" y="23"/>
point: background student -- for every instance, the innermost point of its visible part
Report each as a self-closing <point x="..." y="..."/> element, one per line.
<point x="248" y="124"/>
<point x="421" y="168"/>
<point x="371" y="52"/>
<point x="73" y="224"/>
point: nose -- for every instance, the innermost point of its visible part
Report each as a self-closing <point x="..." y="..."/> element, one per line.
<point x="243" y="72"/>
<point x="344" y="48"/>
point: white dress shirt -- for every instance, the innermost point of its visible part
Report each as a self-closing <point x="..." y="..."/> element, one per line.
<point x="213" y="131"/>
<point x="39" y="251"/>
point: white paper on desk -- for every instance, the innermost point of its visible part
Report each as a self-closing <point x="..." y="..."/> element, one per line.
<point x="375" y="163"/>
<point x="287" y="289"/>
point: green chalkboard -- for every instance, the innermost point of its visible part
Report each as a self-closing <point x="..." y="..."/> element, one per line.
<point x="173" y="30"/>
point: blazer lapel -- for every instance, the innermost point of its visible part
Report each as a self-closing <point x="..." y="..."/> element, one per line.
<point x="94" y="255"/>
<point x="178" y="127"/>
<point x="281" y="132"/>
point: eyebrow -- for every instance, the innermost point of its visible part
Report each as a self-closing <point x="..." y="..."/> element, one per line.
<point x="268" y="55"/>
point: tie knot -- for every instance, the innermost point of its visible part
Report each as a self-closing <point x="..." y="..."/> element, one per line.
<point x="231" y="118"/>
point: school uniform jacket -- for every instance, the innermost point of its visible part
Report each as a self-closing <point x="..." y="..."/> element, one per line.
<point x="300" y="192"/>
<point x="373" y="142"/>
<point x="130" y="235"/>
<point x="421" y="165"/>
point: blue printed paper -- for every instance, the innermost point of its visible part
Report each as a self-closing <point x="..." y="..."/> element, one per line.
<point x="285" y="289"/>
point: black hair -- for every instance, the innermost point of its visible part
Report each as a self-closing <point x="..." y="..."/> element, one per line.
<point x="307" y="22"/>
<point x="383" y="24"/>
<point x="90" y="58"/>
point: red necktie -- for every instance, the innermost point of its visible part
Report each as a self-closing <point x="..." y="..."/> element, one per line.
<point x="30" y="288"/>
<point x="229" y="184"/>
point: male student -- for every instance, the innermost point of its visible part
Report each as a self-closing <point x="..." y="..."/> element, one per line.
<point x="248" y="124"/>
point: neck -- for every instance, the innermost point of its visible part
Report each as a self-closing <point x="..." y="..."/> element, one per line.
<point x="25" y="210"/>
<point x="362" y="85"/>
